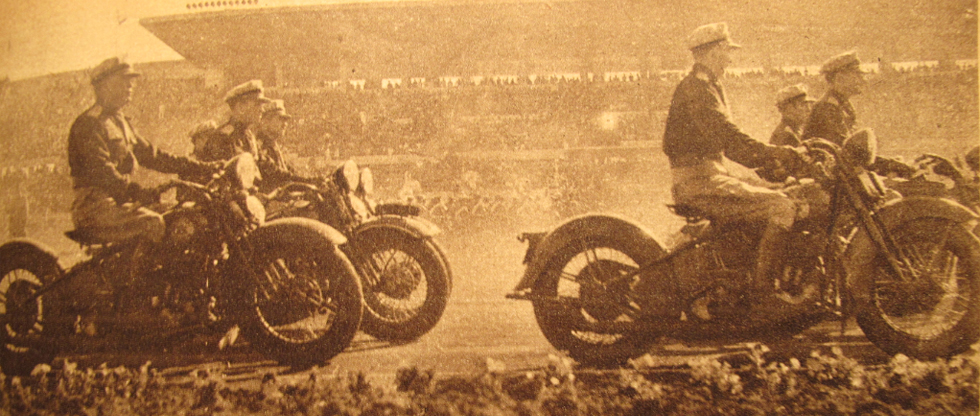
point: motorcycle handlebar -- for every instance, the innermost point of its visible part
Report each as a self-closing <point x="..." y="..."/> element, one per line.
<point x="195" y="188"/>
<point x="289" y="188"/>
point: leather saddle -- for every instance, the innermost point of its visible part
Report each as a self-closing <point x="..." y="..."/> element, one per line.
<point x="88" y="236"/>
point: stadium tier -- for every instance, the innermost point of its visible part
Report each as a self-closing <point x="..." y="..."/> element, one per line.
<point x="375" y="39"/>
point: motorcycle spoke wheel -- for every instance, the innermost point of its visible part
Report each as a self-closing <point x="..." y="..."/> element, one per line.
<point x="30" y="325"/>
<point x="583" y="304"/>
<point x="406" y="280"/>
<point x="20" y="313"/>
<point x="934" y="292"/>
<point x="400" y="285"/>
<point x="292" y="303"/>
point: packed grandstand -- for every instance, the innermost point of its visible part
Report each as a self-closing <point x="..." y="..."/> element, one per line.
<point x="542" y="96"/>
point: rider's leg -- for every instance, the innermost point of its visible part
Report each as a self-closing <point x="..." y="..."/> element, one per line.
<point x="771" y="254"/>
<point x="111" y="222"/>
<point x="729" y="199"/>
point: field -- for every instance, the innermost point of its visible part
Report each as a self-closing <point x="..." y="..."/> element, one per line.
<point x="820" y="384"/>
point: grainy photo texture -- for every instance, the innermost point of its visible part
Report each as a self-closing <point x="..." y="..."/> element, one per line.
<point x="501" y="207"/>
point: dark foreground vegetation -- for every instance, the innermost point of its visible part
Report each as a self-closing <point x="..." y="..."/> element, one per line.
<point x="822" y="384"/>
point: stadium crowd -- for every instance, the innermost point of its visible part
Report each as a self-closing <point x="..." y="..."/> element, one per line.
<point x="914" y="111"/>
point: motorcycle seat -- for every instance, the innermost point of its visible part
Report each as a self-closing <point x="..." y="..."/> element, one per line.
<point x="689" y="212"/>
<point x="86" y="236"/>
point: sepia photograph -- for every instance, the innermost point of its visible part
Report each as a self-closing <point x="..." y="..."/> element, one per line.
<point x="489" y="207"/>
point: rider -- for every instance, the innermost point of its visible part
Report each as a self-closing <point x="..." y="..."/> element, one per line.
<point x="794" y="105"/>
<point x="833" y="117"/>
<point x="236" y="135"/>
<point x="104" y="151"/>
<point x="700" y="133"/>
<point x="272" y="164"/>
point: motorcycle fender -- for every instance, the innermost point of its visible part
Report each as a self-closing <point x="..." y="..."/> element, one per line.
<point x="299" y="224"/>
<point x="416" y="227"/>
<point x="540" y="253"/>
<point x="862" y="250"/>
<point x="20" y="245"/>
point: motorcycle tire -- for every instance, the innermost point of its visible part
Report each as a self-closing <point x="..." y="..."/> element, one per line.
<point x="28" y="325"/>
<point x="564" y="320"/>
<point x="306" y="304"/>
<point x="920" y="317"/>
<point x="406" y="280"/>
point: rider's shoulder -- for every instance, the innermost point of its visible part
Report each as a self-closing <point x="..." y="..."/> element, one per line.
<point x="226" y="129"/>
<point x="695" y="83"/>
<point x="829" y="99"/>
<point x="95" y="111"/>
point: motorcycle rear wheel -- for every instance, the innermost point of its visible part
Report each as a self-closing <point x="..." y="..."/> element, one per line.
<point x="407" y="283"/>
<point x="27" y="324"/>
<point x="582" y="288"/>
<point x="934" y="312"/>
<point x="306" y="306"/>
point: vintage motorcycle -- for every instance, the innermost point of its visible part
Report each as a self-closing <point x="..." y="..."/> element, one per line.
<point x="909" y="269"/>
<point x="404" y="273"/>
<point x="284" y="284"/>
<point x="963" y="189"/>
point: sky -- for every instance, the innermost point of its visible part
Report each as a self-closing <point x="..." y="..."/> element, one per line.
<point x="39" y="37"/>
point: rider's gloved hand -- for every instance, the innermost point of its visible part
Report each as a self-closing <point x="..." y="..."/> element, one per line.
<point x="209" y="169"/>
<point x="940" y="165"/>
<point x="145" y="196"/>
<point x="884" y="165"/>
<point x="792" y="159"/>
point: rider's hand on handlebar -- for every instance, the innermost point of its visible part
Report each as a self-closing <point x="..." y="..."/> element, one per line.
<point x="145" y="196"/>
<point x="212" y="168"/>
<point x="939" y="165"/>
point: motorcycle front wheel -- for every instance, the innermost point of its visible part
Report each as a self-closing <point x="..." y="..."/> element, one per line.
<point x="933" y="309"/>
<point x="406" y="282"/>
<point x="580" y="301"/>
<point x="305" y="304"/>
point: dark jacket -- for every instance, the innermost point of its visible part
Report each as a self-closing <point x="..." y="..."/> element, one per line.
<point x="785" y="135"/>
<point x="229" y="140"/>
<point x="832" y="119"/>
<point x="699" y="126"/>
<point x="272" y="164"/>
<point x="104" y="150"/>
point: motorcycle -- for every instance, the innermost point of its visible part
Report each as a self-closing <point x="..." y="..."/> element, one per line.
<point x="962" y="188"/>
<point x="606" y="291"/>
<point x="281" y="284"/>
<point x="404" y="273"/>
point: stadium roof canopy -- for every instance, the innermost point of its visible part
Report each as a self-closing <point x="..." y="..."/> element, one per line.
<point x="379" y="39"/>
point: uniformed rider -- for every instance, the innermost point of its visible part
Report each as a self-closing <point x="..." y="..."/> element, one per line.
<point x="235" y="136"/>
<point x="833" y="117"/>
<point x="272" y="163"/>
<point x="104" y="151"/>
<point x="794" y="105"/>
<point x="700" y="133"/>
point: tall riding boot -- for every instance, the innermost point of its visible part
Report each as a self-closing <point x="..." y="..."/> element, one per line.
<point x="771" y="257"/>
<point x="766" y="304"/>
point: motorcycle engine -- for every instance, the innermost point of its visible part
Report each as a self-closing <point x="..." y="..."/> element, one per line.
<point x="724" y="260"/>
<point x="183" y="227"/>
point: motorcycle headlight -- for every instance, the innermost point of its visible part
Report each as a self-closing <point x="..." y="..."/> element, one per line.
<point x="182" y="227"/>
<point x="861" y="149"/>
<point x="347" y="176"/>
<point x="367" y="182"/>
<point x="255" y="209"/>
